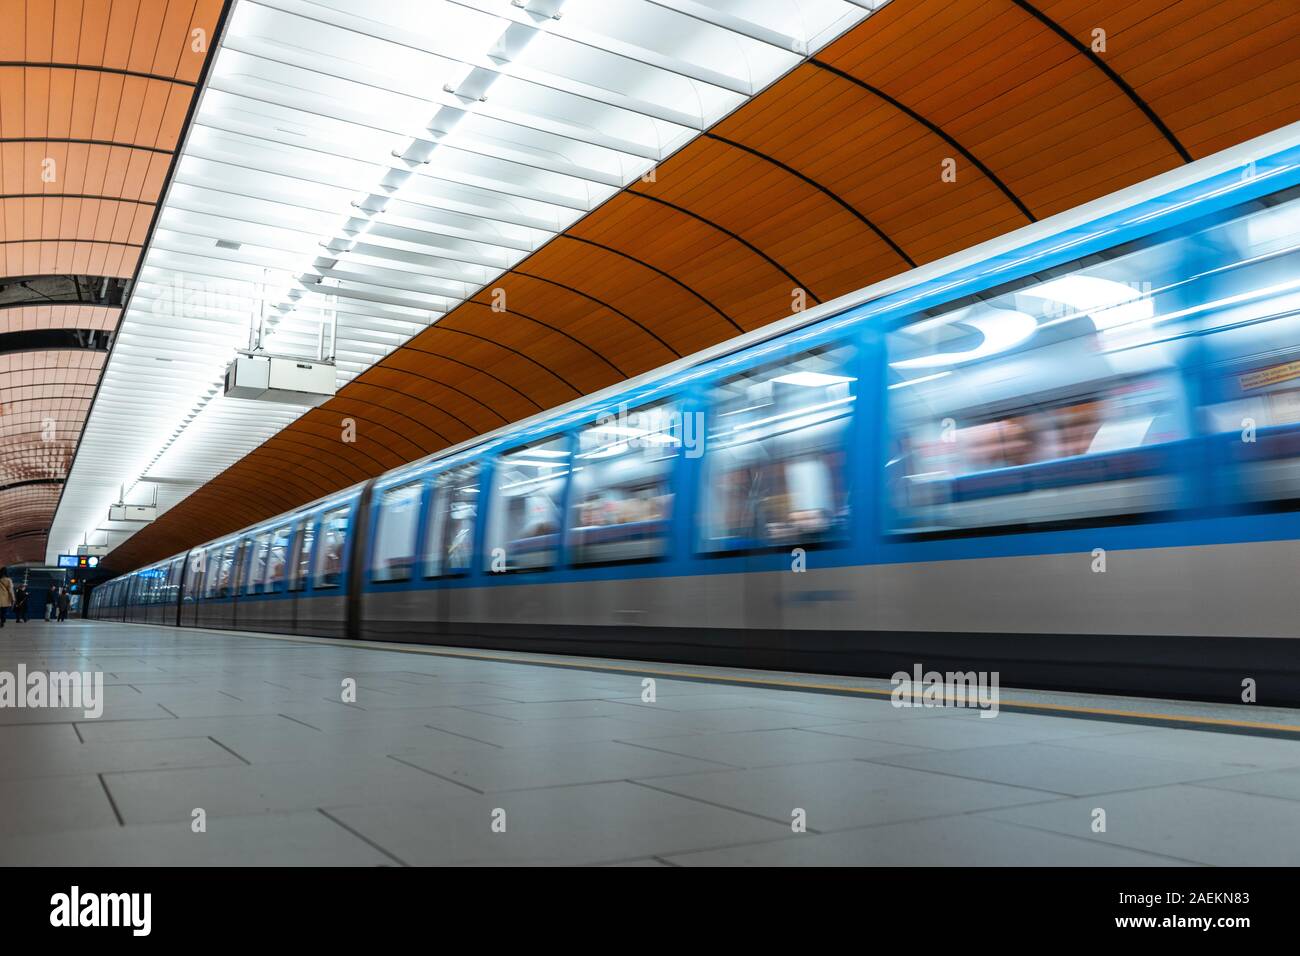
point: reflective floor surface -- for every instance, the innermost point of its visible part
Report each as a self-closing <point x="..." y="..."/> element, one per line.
<point x="216" y="749"/>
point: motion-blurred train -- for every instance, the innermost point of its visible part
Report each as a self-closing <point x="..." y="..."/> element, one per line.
<point x="1071" y="456"/>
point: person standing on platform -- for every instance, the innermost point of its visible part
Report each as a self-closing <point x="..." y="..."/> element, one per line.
<point x="20" y="604"/>
<point x="65" y="602"/>
<point x="51" y="598"/>
<point x="6" y="594"/>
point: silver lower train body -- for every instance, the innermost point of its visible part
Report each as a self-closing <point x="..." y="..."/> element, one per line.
<point x="1228" y="590"/>
<point x="1175" y="621"/>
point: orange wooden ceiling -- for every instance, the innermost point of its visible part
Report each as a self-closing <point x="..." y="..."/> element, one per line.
<point x="827" y="182"/>
<point x="93" y="100"/>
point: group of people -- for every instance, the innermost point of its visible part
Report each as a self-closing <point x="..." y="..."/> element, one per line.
<point x="16" y="597"/>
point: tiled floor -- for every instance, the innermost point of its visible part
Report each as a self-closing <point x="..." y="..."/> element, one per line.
<point x="463" y="760"/>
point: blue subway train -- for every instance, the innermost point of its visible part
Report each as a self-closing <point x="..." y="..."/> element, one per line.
<point x="1071" y="456"/>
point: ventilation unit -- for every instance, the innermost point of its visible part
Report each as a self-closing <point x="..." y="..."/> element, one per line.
<point x="271" y="378"/>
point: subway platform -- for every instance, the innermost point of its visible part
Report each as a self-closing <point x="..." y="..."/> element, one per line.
<point x="217" y="748"/>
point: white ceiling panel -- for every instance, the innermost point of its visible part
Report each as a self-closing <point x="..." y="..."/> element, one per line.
<point x="355" y="171"/>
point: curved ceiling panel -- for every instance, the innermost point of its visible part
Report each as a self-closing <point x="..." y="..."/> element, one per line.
<point x="44" y="398"/>
<point x="826" y="182"/>
<point x="93" y="100"/>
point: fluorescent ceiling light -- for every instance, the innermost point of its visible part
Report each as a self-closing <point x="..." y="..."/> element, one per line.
<point x="812" y="379"/>
<point x="1108" y="303"/>
<point x="923" y="378"/>
<point x="797" y="413"/>
<point x="625" y="430"/>
<point x="1272" y="227"/>
<point x="608" y="451"/>
<point x="1002" y="330"/>
<point x="524" y="462"/>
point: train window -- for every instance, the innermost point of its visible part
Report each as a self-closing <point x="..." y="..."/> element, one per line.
<point x="527" y="506"/>
<point x="1253" y="397"/>
<point x="1056" y="400"/>
<point x="243" y="551"/>
<point x="329" y="557"/>
<point x="622" y="496"/>
<point x="211" y="570"/>
<point x="174" y="579"/>
<point x="395" y="533"/>
<point x="261" y="546"/>
<point x="451" y="523"/>
<point x="1252" y="391"/>
<point x="277" y="557"/>
<point x="194" y="579"/>
<point x="774" y="459"/>
<point x="226" y="570"/>
<point x="302" y="548"/>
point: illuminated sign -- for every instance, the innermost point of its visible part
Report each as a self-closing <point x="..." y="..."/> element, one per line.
<point x="1264" y="377"/>
<point x="67" y="560"/>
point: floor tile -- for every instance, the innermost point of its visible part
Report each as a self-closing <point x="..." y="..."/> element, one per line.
<point x="1229" y="750"/>
<point x="945" y="733"/>
<point x="283" y="839"/>
<point x="32" y="805"/>
<point x="844" y="794"/>
<point x="1195" y="823"/>
<point x="524" y="768"/>
<point x="1274" y="783"/>
<point x="235" y="791"/>
<point x="70" y="759"/>
<point x="1063" y="770"/>
<point x="595" y="823"/>
<point x="947" y="841"/>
